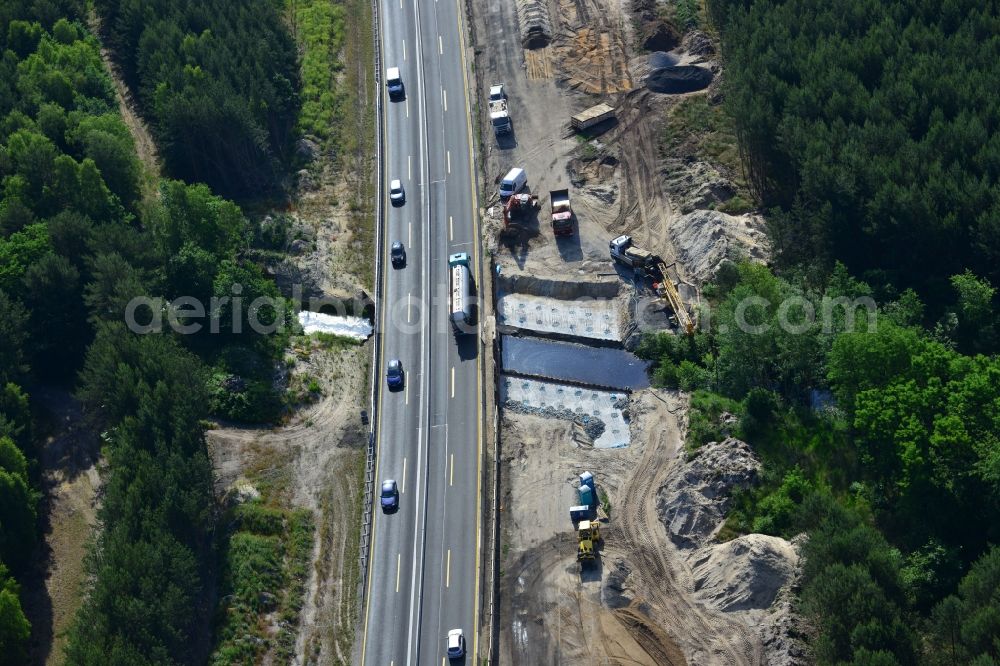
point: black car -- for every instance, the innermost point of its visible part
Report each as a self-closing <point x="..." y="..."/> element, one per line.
<point x="390" y="496"/>
<point x="398" y="255"/>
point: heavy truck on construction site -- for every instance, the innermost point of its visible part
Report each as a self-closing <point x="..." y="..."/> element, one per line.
<point x="627" y="253"/>
<point x="499" y="110"/>
<point x="646" y="264"/>
<point x="562" y="213"/>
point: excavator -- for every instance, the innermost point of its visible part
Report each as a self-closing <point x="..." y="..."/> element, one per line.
<point x="517" y="206"/>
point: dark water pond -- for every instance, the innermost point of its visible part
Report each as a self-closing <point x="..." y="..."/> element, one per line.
<point x="593" y="366"/>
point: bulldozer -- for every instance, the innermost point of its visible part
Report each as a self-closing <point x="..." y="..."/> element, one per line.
<point x="589" y="529"/>
<point x="585" y="553"/>
<point x="587" y="535"/>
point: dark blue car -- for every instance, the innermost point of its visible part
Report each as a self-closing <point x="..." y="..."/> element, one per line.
<point x="390" y="496"/>
<point x="394" y="375"/>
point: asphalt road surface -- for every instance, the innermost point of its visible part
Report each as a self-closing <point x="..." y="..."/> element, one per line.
<point x="423" y="570"/>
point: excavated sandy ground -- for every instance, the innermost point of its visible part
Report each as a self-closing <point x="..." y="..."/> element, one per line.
<point x="639" y="605"/>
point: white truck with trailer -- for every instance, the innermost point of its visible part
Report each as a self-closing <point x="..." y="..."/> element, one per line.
<point x="461" y="293"/>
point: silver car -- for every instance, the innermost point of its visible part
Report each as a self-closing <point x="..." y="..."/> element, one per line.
<point x="396" y="193"/>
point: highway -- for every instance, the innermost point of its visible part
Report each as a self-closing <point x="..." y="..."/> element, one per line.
<point x="423" y="568"/>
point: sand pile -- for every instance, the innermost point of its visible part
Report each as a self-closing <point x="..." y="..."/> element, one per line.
<point x="749" y="577"/>
<point x="705" y="238"/>
<point x="693" y="503"/>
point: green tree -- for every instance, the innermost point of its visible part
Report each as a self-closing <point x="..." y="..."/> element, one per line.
<point x="966" y="627"/>
<point x="976" y="320"/>
<point x="53" y="296"/>
<point x="245" y="282"/>
<point x="13" y="335"/>
<point x="18" y="252"/>
<point x="14" y="626"/>
<point x="114" y="284"/>
<point x="106" y="140"/>
<point x="192" y="214"/>
<point x="17" y="506"/>
<point x="15" y="416"/>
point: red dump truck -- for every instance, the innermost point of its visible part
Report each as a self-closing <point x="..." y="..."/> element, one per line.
<point x="562" y="213"/>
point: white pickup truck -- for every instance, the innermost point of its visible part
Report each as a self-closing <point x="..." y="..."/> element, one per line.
<point x="499" y="110"/>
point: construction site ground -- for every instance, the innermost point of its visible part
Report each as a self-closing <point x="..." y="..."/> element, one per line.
<point x="640" y="604"/>
<point x="614" y="183"/>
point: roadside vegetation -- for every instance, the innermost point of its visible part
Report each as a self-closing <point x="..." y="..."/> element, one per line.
<point x="696" y="128"/>
<point x="264" y="566"/>
<point x="879" y="439"/>
<point x="319" y="28"/>
<point x="878" y="436"/>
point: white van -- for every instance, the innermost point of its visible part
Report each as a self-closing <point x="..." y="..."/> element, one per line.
<point x="513" y="182"/>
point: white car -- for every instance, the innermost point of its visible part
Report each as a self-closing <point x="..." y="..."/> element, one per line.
<point x="456" y="644"/>
<point x="396" y="194"/>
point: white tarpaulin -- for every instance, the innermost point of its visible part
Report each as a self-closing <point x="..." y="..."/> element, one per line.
<point x="350" y="327"/>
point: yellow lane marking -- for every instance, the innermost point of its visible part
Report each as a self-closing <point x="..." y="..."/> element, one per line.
<point x="479" y="359"/>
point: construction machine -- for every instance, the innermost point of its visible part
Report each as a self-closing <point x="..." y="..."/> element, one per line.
<point x="516" y="207"/>
<point x="585" y="553"/>
<point x="587" y="535"/>
<point x="666" y="290"/>
<point x="647" y="264"/>
<point x="589" y="530"/>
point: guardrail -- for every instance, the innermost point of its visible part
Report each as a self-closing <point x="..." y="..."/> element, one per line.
<point x="367" y="521"/>
<point x="494" y="586"/>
